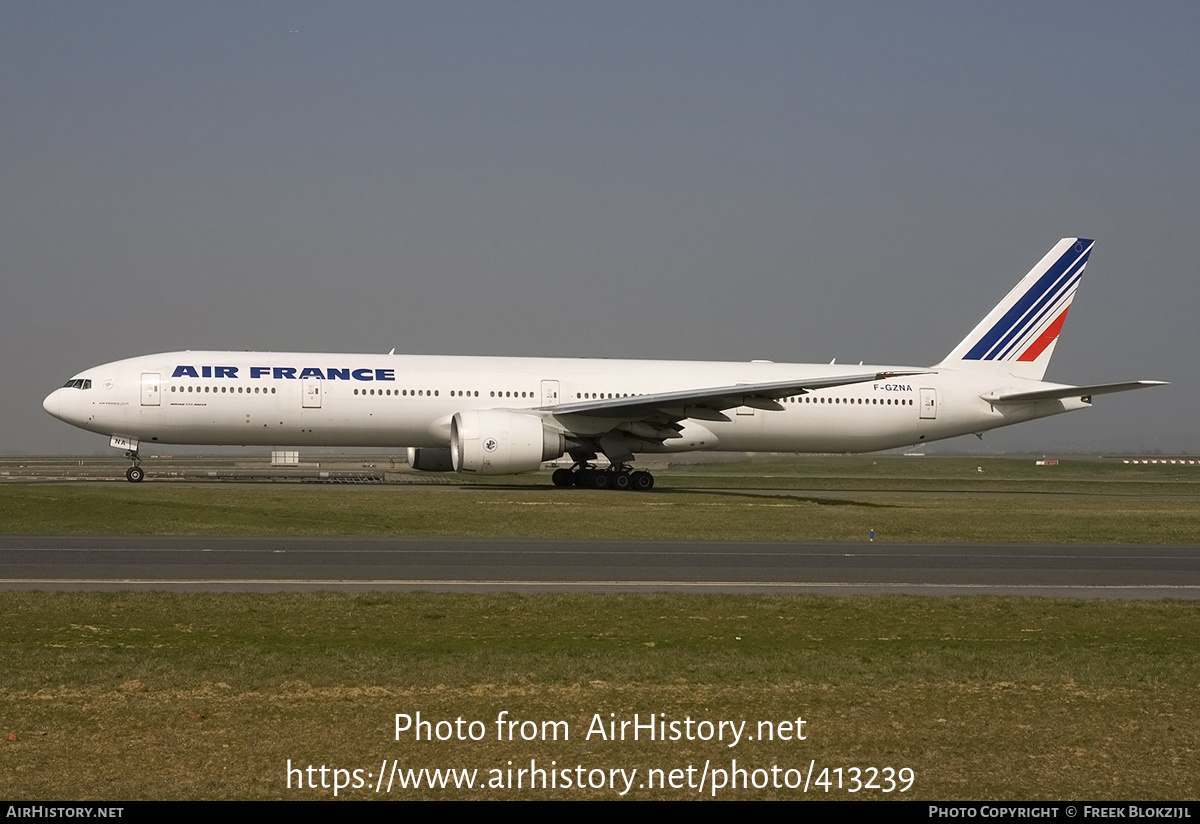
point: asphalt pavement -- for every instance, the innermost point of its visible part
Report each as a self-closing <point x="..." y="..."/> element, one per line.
<point x="477" y="565"/>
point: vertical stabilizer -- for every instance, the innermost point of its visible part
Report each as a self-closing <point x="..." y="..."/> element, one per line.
<point x="1017" y="337"/>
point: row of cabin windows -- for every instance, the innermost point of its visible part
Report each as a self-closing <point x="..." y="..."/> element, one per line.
<point x="601" y="395"/>
<point x="87" y="384"/>
<point x="859" y="401"/>
<point x="224" y="389"/>
<point x="798" y="399"/>
<point x="434" y="393"/>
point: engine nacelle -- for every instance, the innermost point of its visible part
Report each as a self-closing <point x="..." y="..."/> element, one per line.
<point x="499" y="442"/>
<point x="427" y="459"/>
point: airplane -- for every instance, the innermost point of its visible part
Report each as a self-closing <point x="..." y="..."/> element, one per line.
<point x="507" y="415"/>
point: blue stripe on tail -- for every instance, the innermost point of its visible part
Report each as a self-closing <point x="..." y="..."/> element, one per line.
<point x="1059" y="280"/>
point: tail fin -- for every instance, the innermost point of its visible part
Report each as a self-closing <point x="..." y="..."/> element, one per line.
<point x="1017" y="337"/>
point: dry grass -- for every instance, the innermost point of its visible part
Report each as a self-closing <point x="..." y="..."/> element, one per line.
<point x="219" y="509"/>
<point x="125" y="696"/>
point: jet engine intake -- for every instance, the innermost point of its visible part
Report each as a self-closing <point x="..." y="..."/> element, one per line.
<point x="499" y="442"/>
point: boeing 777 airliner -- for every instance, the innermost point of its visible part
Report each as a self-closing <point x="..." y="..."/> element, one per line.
<point x="499" y="416"/>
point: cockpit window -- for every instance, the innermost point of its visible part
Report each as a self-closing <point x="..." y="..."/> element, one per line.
<point x="78" y="383"/>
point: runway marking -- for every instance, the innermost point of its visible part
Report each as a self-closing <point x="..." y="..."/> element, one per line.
<point x="1170" y="554"/>
<point x="607" y="583"/>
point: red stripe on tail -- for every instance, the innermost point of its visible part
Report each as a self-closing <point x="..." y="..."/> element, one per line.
<point x="1045" y="339"/>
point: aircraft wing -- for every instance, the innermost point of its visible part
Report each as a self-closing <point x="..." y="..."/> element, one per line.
<point x="707" y="403"/>
<point x="1061" y="392"/>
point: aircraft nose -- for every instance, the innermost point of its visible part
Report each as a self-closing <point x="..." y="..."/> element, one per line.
<point x="51" y="404"/>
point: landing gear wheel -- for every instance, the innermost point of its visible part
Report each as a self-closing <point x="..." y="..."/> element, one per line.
<point x="618" y="476"/>
<point x="134" y="474"/>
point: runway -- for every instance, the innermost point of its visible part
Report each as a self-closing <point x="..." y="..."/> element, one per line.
<point x="476" y="565"/>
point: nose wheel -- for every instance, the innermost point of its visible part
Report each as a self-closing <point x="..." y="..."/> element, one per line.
<point x="135" y="473"/>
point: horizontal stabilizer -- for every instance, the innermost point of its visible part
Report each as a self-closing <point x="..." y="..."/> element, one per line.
<point x="1061" y="392"/>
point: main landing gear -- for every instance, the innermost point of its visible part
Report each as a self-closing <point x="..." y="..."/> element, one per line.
<point x="618" y="476"/>
<point x="135" y="473"/>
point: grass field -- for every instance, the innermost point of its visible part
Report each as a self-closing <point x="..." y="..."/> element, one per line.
<point x="155" y="695"/>
<point x="824" y="499"/>
<point x="208" y="696"/>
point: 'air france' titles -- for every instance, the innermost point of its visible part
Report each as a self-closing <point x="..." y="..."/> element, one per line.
<point x="286" y="373"/>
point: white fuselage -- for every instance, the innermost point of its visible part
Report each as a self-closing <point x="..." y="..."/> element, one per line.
<point x="246" y="398"/>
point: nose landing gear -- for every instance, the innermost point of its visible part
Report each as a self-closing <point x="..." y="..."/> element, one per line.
<point x="135" y="473"/>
